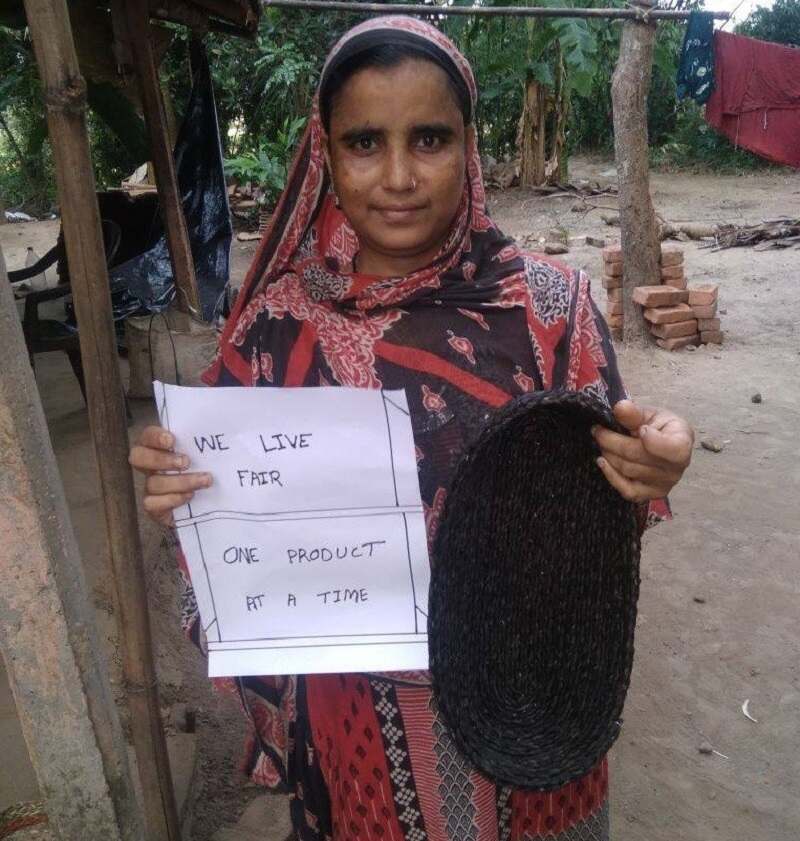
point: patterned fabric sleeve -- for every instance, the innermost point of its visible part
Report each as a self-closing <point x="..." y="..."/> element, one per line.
<point x="598" y="374"/>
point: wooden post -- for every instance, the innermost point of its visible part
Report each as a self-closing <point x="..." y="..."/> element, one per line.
<point x="641" y="244"/>
<point x="65" y="104"/>
<point x="47" y="625"/>
<point x="138" y="24"/>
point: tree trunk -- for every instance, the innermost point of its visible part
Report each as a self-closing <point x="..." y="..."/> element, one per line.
<point x="556" y="166"/>
<point x="531" y="140"/>
<point x="641" y="249"/>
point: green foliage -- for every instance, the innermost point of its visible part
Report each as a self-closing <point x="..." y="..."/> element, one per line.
<point x="779" y="23"/>
<point x="25" y="164"/>
<point x="507" y="52"/>
<point x="259" y="84"/>
<point x="26" y="168"/>
<point x="264" y="89"/>
<point x="268" y="166"/>
<point x="694" y="145"/>
<point x="592" y="126"/>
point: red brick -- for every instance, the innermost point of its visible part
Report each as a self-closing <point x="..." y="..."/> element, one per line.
<point x="684" y="293"/>
<point x="611" y="282"/>
<point x="712" y="337"/>
<point x="676" y="282"/>
<point x="671" y="255"/>
<point x="657" y="296"/>
<point x="667" y="315"/>
<point x="614" y="308"/>
<point x="612" y="269"/>
<point x="675" y="329"/>
<point x="612" y="253"/>
<point x="615" y="294"/>
<point x="706" y="324"/>
<point x="677" y="344"/>
<point x="704" y="294"/>
<point x="708" y="311"/>
<point x="671" y="272"/>
<point x="614" y="320"/>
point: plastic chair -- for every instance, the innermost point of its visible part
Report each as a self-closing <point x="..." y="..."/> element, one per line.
<point x="48" y="335"/>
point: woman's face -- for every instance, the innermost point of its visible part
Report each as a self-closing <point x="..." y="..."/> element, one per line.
<point x="396" y="153"/>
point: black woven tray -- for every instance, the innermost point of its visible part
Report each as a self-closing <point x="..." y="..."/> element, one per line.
<point x="533" y="596"/>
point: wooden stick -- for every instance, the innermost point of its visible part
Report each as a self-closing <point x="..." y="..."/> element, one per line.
<point x="180" y="252"/>
<point x="641" y="243"/>
<point x="65" y="103"/>
<point x="485" y="11"/>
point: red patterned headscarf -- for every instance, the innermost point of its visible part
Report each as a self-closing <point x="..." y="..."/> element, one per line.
<point x="304" y="264"/>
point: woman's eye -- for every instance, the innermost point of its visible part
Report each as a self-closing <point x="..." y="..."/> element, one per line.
<point x="430" y="142"/>
<point x="365" y="143"/>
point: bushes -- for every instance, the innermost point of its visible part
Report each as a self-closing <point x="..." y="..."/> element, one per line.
<point x="263" y="86"/>
<point x="693" y="144"/>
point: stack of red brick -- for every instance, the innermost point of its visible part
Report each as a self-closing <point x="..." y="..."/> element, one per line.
<point x="678" y="315"/>
<point x="612" y="283"/>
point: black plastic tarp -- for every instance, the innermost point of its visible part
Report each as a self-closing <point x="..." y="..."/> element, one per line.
<point x="144" y="283"/>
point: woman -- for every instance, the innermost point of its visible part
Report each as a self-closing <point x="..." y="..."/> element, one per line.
<point x="383" y="269"/>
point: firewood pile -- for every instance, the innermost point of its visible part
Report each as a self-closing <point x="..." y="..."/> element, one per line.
<point x="776" y="233"/>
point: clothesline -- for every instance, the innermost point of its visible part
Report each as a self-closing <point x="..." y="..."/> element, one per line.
<point x="631" y="13"/>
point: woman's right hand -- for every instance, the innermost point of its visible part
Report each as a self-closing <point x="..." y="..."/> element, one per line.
<point x="153" y="456"/>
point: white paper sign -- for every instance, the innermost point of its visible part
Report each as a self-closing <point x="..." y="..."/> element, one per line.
<point x="308" y="554"/>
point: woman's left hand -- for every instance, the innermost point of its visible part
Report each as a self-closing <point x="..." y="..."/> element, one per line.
<point x="650" y="461"/>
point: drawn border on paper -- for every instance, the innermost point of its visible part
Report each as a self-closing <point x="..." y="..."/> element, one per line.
<point x="317" y="636"/>
<point x="392" y="403"/>
<point x="411" y="574"/>
<point x="415" y="607"/>
<point x="224" y="513"/>
<point x="422" y="641"/>
<point x="208" y="582"/>
<point x="391" y="448"/>
<point x="353" y="512"/>
<point x="169" y="427"/>
<point x="286" y="517"/>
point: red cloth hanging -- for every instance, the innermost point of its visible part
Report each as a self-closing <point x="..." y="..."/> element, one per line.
<point x="756" y="98"/>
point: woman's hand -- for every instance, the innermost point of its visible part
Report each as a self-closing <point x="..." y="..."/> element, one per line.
<point x="153" y="455"/>
<point x="650" y="461"/>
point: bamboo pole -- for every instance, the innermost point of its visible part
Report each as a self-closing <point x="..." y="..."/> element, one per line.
<point x="484" y="11"/>
<point x="65" y="103"/>
<point x="137" y="17"/>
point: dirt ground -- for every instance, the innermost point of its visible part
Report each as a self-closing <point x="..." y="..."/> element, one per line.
<point x="718" y="615"/>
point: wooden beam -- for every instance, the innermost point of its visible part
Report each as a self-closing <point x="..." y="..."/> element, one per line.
<point x="241" y="13"/>
<point x="137" y="17"/>
<point x="186" y="14"/>
<point x="48" y="636"/>
<point x="483" y="11"/>
<point x="641" y="243"/>
<point x="65" y="105"/>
